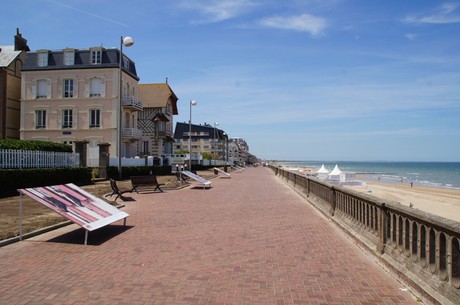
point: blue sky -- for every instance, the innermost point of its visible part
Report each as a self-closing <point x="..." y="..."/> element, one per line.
<point x="358" y="80"/>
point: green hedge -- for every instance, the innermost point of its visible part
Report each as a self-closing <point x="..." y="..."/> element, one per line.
<point x="34" y="145"/>
<point x="129" y="171"/>
<point x="13" y="179"/>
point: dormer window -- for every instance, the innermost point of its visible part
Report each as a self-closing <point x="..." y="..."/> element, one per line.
<point x="125" y="63"/>
<point x="42" y="58"/>
<point x="69" y="57"/>
<point x="96" y="56"/>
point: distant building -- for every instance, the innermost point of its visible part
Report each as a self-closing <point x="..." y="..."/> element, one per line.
<point x="73" y="95"/>
<point x="11" y="61"/>
<point x="238" y="151"/>
<point x="205" y="139"/>
<point x="156" y="119"/>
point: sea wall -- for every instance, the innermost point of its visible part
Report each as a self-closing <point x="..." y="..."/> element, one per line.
<point x="421" y="248"/>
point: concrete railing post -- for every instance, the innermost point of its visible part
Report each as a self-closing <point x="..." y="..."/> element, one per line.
<point x="333" y="202"/>
<point x="383" y="223"/>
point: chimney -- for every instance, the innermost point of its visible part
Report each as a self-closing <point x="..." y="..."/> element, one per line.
<point x="20" y="44"/>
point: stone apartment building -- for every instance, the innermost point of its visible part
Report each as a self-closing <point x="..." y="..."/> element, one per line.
<point x="156" y="119"/>
<point x="204" y="138"/>
<point x="238" y="151"/>
<point x="11" y="61"/>
<point x="73" y="95"/>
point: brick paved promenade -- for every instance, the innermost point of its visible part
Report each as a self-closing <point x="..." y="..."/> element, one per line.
<point x="247" y="240"/>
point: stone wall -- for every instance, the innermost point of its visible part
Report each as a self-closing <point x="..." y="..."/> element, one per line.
<point x="423" y="249"/>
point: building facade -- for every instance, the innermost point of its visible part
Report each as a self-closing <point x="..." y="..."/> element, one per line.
<point x="238" y="151"/>
<point x="74" y="95"/>
<point x="11" y="61"/>
<point x="205" y="139"/>
<point x="156" y="119"/>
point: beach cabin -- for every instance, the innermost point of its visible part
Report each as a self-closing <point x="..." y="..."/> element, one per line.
<point x="336" y="176"/>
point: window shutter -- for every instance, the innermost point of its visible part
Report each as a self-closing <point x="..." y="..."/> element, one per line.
<point x="34" y="89"/>
<point x="74" y="118"/>
<point x="48" y="88"/>
<point x="87" y="83"/>
<point x="102" y="88"/>
<point x="60" y="87"/>
<point x="59" y="118"/>
<point x="75" y="87"/>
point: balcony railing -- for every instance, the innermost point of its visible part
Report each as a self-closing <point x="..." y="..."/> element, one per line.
<point x="132" y="134"/>
<point x="132" y="103"/>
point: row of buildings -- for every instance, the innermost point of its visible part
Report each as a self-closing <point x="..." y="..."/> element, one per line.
<point x="93" y="95"/>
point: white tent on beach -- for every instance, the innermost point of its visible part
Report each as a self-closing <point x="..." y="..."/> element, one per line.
<point x="322" y="173"/>
<point x="336" y="175"/>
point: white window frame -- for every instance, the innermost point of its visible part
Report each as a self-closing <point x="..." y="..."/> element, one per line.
<point x="69" y="57"/>
<point x="67" y="119"/>
<point x="96" y="56"/>
<point x="40" y="119"/>
<point x="42" y="58"/>
<point x="68" y="88"/>
<point x="94" y="115"/>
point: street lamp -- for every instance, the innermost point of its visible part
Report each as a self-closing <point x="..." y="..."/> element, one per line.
<point x="214" y="140"/>
<point x="127" y="42"/>
<point x="226" y="147"/>
<point x="192" y="103"/>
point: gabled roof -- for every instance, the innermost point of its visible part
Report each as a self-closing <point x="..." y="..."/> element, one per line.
<point x="7" y="55"/>
<point x="157" y="95"/>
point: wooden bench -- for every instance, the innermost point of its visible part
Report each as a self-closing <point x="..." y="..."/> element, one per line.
<point x="145" y="181"/>
<point x="116" y="190"/>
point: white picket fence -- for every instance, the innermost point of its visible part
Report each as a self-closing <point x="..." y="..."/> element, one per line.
<point x="12" y="158"/>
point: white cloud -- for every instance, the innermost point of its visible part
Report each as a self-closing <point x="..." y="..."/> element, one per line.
<point x="411" y="36"/>
<point x="442" y="15"/>
<point x="302" y="23"/>
<point x="212" y="11"/>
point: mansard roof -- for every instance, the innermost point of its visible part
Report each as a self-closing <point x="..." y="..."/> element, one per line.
<point x="157" y="95"/>
<point x="205" y="131"/>
<point x="110" y="59"/>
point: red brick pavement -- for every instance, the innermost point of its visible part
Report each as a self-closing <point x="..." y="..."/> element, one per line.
<point x="247" y="240"/>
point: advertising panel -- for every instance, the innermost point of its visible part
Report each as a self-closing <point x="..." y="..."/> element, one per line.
<point x="77" y="205"/>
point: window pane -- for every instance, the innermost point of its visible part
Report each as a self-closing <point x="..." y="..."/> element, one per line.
<point x="42" y="59"/>
<point x="67" y="118"/>
<point x="95" y="117"/>
<point x="96" y="57"/>
<point x="68" y="88"/>
<point x="40" y="119"/>
<point x="69" y="58"/>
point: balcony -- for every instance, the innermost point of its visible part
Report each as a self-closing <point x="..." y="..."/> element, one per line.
<point x="132" y="103"/>
<point x="132" y="134"/>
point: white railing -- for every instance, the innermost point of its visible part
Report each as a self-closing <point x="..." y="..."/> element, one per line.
<point x="132" y="102"/>
<point x="12" y="158"/>
<point x="132" y="133"/>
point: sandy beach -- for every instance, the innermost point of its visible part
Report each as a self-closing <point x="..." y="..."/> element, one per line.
<point x="439" y="201"/>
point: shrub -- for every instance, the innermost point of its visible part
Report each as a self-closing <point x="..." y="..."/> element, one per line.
<point x="34" y="145"/>
<point x="13" y="179"/>
<point x="129" y="171"/>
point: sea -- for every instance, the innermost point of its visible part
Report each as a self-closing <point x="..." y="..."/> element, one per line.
<point x="430" y="174"/>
